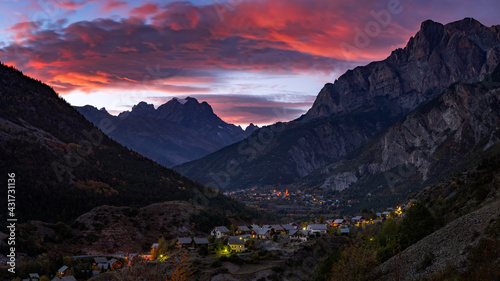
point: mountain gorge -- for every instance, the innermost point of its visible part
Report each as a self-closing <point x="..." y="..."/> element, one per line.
<point x="361" y="104"/>
<point x="178" y="131"/>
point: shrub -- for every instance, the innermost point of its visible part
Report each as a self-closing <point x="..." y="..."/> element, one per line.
<point x="216" y="263"/>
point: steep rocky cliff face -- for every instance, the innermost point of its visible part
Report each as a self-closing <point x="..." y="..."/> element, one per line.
<point x="176" y="132"/>
<point x="433" y="140"/>
<point x="437" y="56"/>
<point x="359" y="105"/>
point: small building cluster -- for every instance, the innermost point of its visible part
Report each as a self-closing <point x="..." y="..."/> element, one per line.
<point x="243" y="233"/>
<point x="102" y="264"/>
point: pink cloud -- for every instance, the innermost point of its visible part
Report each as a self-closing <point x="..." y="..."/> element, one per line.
<point x="185" y="41"/>
<point x="145" y="10"/>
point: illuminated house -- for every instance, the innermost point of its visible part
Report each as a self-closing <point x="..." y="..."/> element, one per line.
<point x="237" y="244"/>
<point x="263" y="233"/>
<point x="358" y="220"/>
<point x="278" y="229"/>
<point x="242" y="229"/>
<point x="154" y="247"/>
<point x="339" y="222"/>
<point x="62" y="271"/>
<point x="183" y="242"/>
<point x="64" y="278"/>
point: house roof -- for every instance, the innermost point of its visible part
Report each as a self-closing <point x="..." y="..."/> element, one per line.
<point x="222" y="229"/>
<point x="262" y="231"/>
<point x="254" y="226"/>
<point x="63" y="268"/>
<point x="297" y="233"/>
<point x="184" y="240"/>
<point x="155" y="245"/>
<point x="338" y="221"/>
<point x="287" y="227"/>
<point x="200" y="241"/>
<point x="235" y="241"/>
<point x="34" y="275"/>
<point x="112" y="261"/>
<point x="277" y="227"/>
<point x="100" y="260"/>
<point x="318" y="226"/>
<point x="65" y="278"/>
<point x="243" y="228"/>
<point x="357" y="218"/>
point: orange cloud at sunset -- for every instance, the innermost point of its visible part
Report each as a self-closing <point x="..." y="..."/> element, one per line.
<point x="248" y="35"/>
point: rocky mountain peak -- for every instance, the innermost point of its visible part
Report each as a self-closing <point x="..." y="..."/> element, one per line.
<point x="177" y="110"/>
<point x="429" y="36"/>
<point x="178" y="131"/>
<point x="143" y="108"/>
<point x="192" y="100"/>
<point x="466" y="24"/>
<point x="436" y="56"/>
<point x="251" y="128"/>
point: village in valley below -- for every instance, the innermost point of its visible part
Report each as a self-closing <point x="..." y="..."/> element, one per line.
<point x="254" y="242"/>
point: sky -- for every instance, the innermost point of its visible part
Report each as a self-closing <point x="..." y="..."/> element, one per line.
<point x="258" y="61"/>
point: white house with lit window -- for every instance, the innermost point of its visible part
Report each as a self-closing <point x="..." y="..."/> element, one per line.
<point x="317" y="228"/>
<point x="297" y="235"/>
<point x="220" y="231"/>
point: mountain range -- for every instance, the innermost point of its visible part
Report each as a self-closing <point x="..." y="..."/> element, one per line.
<point x="368" y="111"/>
<point x="178" y="131"/>
<point x="447" y="135"/>
<point x="64" y="166"/>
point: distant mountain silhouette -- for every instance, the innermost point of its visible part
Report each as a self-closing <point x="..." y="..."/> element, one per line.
<point x="176" y="132"/>
<point x="64" y="166"/>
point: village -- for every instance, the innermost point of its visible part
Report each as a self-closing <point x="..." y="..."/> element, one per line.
<point x="290" y="201"/>
<point x="225" y="242"/>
